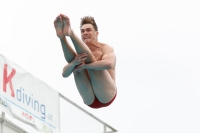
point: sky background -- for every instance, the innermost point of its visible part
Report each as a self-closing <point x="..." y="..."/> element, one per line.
<point x="156" y="42"/>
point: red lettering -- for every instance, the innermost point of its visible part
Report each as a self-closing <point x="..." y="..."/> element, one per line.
<point x="27" y="116"/>
<point x="30" y="118"/>
<point x="7" y="79"/>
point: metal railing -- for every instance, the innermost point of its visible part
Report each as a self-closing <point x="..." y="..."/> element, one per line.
<point x="4" y="121"/>
<point x="105" y="125"/>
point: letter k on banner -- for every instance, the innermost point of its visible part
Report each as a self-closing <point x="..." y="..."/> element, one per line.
<point x="7" y="79"/>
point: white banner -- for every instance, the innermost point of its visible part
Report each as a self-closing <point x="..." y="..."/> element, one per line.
<point x="27" y="98"/>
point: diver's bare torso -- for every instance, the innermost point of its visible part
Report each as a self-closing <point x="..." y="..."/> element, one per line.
<point x="98" y="53"/>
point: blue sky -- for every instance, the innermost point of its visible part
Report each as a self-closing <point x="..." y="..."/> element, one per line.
<point x="157" y="46"/>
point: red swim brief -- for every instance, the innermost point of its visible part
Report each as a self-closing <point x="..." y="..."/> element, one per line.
<point x="97" y="104"/>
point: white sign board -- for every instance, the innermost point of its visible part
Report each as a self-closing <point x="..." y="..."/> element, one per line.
<point x="27" y="98"/>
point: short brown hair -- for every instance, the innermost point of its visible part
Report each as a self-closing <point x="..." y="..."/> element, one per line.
<point x="89" y="20"/>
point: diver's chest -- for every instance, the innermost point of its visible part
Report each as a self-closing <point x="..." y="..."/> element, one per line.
<point x="97" y="54"/>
